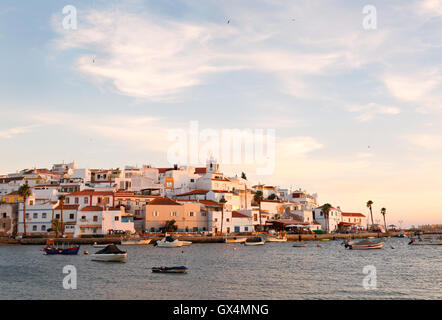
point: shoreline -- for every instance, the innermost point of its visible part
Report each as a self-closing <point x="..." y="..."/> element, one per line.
<point x="205" y="239"/>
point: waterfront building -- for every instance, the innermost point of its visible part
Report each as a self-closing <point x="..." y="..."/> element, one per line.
<point x="330" y="224"/>
<point x="69" y="217"/>
<point x="12" y="197"/>
<point x="187" y="215"/>
<point x="38" y="215"/>
<point x="352" y="221"/>
<point x="8" y="219"/>
<point x="91" y="197"/>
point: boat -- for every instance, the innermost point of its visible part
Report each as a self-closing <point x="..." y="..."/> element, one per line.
<point x="324" y="239"/>
<point x="51" y="249"/>
<point x="400" y="235"/>
<point x="364" y="245"/>
<point x="235" y="240"/>
<point x="276" y="239"/>
<point x="185" y="243"/>
<point x="169" y="242"/>
<point x="256" y="243"/>
<point x="180" y="269"/>
<point x="135" y="242"/>
<point x="299" y="245"/>
<point x="110" y="254"/>
<point x="427" y="241"/>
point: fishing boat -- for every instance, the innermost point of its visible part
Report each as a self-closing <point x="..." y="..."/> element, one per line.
<point x="110" y="254"/>
<point x="180" y="269"/>
<point x="51" y="249"/>
<point x="364" y="245"/>
<point x="235" y="240"/>
<point x="169" y="242"/>
<point x="136" y="242"/>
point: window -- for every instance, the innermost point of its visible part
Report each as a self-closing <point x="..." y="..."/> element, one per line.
<point x="27" y="215"/>
<point x="192" y="180"/>
<point x="246" y="229"/>
<point x="191" y="214"/>
<point x="34" y="228"/>
<point x="227" y="220"/>
<point x="95" y="219"/>
<point x="255" y="217"/>
<point x="173" y="214"/>
<point x="99" y="200"/>
<point x="43" y="215"/>
<point x="31" y="202"/>
<point x="67" y="200"/>
<point x="71" y="216"/>
<point x="152" y="229"/>
<point x="76" y="200"/>
<point x="43" y="228"/>
<point x="4" y="215"/>
<point x="155" y="213"/>
<point x="86" y="200"/>
<point x="216" y="219"/>
<point x="83" y="218"/>
<point x="117" y="218"/>
<point x="203" y="214"/>
<point x="107" y="200"/>
<point x="57" y="216"/>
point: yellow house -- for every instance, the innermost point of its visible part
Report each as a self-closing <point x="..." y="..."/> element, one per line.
<point x="12" y="197"/>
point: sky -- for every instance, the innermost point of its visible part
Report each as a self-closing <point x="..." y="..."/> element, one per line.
<point x="356" y="113"/>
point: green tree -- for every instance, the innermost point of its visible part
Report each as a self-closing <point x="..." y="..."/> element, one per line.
<point x="61" y="198"/>
<point x="170" y="226"/>
<point x="25" y="192"/>
<point x="326" y="212"/>
<point x="370" y="206"/>
<point x="222" y="201"/>
<point x="258" y="198"/>
<point x="272" y="197"/>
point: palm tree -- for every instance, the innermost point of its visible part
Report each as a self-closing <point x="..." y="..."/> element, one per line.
<point x="383" y="212"/>
<point x="24" y="191"/>
<point x="61" y="198"/>
<point x="369" y="206"/>
<point x="326" y="211"/>
<point x="257" y="198"/>
<point x="56" y="225"/>
<point x="222" y="201"/>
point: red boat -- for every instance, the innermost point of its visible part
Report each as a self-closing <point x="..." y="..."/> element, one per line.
<point x="51" y="249"/>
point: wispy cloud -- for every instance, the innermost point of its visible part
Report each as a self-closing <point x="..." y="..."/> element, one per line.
<point x="11" y="132"/>
<point x="369" y="111"/>
<point x="430" y="142"/>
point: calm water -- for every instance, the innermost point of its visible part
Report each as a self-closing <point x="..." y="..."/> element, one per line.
<point x="217" y="271"/>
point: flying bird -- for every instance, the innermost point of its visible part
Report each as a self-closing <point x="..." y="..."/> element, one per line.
<point x="228" y="21"/>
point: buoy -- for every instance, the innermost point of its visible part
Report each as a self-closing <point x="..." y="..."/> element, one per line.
<point x="86" y="252"/>
<point x="234" y="249"/>
<point x="318" y="245"/>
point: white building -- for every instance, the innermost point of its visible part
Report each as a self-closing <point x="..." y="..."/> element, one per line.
<point x="334" y="218"/>
<point x="38" y="216"/>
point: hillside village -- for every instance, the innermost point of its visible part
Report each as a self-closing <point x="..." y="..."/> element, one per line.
<point x="82" y="202"/>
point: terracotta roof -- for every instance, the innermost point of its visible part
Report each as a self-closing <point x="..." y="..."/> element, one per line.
<point x="210" y="203"/>
<point x="323" y="205"/>
<point x="163" y="170"/>
<point x="236" y="214"/>
<point x="201" y="170"/>
<point x="196" y="191"/>
<point x="13" y="193"/>
<point x="6" y="180"/>
<point x="46" y="185"/>
<point x="91" y="192"/>
<point x="223" y="179"/>
<point x="67" y="207"/>
<point x="163" y="202"/>
<point x="92" y="208"/>
<point x="352" y="214"/>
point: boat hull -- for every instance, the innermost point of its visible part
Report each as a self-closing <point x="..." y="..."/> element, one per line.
<point x="118" y="257"/>
<point x="254" y="243"/>
<point x="366" y="246"/>
<point x="135" y="242"/>
<point x="186" y="243"/>
<point x="68" y="251"/>
<point x="239" y="240"/>
<point x="276" y="239"/>
<point x="181" y="269"/>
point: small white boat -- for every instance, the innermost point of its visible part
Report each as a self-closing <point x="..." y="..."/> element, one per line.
<point x="169" y="242"/>
<point x="257" y="243"/>
<point x="235" y="240"/>
<point x="364" y="245"/>
<point x="299" y="245"/>
<point x="136" y="242"/>
<point x="110" y="254"/>
<point x="425" y="242"/>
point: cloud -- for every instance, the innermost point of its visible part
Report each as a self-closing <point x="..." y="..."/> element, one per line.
<point x="11" y="132"/>
<point x="431" y="142"/>
<point x="295" y="146"/>
<point x="369" y="111"/>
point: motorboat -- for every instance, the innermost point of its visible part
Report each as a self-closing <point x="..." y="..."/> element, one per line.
<point x="299" y="245"/>
<point x="256" y="243"/>
<point x="180" y="269"/>
<point x="169" y="242"/>
<point x="51" y="249"/>
<point x="110" y="254"/>
<point x="364" y="245"/>
<point x="185" y="243"/>
<point x="235" y="240"/>
<point x="136" y="242"/>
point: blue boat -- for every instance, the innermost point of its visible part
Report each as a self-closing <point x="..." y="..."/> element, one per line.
<point x="180" y="269"/>
<point x="52" y="249"/>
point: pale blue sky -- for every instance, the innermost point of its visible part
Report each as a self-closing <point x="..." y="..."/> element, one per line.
<point x="321" y="79"/>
